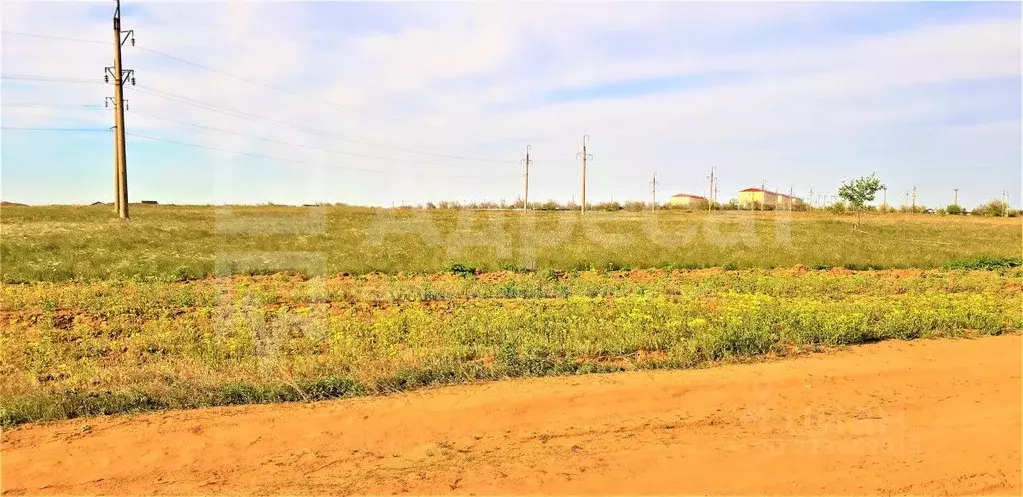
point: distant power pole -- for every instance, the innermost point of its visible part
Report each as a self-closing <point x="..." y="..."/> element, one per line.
<point x="792" y="199"/>
<point x="120" y="76"/>
<point x="914" y="200"/>
<point x="711" y="193"/>
<point x="884" y="203"/>
<point x="1005" y="201"/>
<point x="809" y="197"/>
<point x="525" y="198"/>
<point x="955" y="202"/>
<point x="584" y="156"/>
<point x="653" y="193"/>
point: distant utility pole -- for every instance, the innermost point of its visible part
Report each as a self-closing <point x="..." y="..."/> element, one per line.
<point x="525" y="198"/>
<point x="584" y="156"/>
<point x="792" y="199"/>
<point x="711" y="193"/>
<point x="120" y="76"/>
<point x="955" y="202"/>
<point x="809" y="198"/>
<point x="1005" y="201"/>
<point x="653" y="193"/>
<point x="884" y="203"/>
<point x="914" y="199"/>
<point x="906" y="203"/>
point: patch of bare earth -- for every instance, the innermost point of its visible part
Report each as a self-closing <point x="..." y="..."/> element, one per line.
<point x="930" y="417"/>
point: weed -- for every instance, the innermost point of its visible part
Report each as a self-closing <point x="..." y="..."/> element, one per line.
<point x="136" y="346"/>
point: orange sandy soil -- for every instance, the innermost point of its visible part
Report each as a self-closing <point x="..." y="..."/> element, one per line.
<point x="930" y="417"/>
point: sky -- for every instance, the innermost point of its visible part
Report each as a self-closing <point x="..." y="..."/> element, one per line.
<point x="390" y="103"/>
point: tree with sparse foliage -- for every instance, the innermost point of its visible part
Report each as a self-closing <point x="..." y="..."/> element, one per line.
<point x="860" y="191"/>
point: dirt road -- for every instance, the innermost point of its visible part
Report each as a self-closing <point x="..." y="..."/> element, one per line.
<point x="924" y="417"/>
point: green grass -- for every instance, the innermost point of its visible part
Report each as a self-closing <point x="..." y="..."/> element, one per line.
<point x="172" y="243"/>
<point x="100" y="317"/>
<point x="81" y="349"/>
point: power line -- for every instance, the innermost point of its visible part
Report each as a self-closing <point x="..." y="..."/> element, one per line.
<point x="51" y="37"/>
<point x="50" y="79"/>
<point x="288" y="92"/>
<point x="274" y="88"/>
<point x="55" y="106"/>
<point x="282" y="142"/>
<point x="245" y="115"/>
<point x="225" y="73"/>
<point x="284" y="159"/>
<point x="19" y="128"/>
<point x="285" y="91"/>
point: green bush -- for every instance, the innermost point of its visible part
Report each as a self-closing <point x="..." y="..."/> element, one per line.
<point x="608" y="206"/>
<point x="993" y="208"/>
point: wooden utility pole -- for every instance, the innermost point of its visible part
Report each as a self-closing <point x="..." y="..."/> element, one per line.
<point x="117" y="157"/>
<point x="584" y="156"/>
<point x="525" y="199"/>
<point x="120" y="76"/>
<point x="653" y="193"/>
<point x="117" y="169"/>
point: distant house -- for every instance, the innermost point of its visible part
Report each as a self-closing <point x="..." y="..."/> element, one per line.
<point x="686" y="199"/>
<point x="757" y="196"/>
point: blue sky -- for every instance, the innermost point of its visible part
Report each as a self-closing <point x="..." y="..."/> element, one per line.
<point x="392" y="97"/>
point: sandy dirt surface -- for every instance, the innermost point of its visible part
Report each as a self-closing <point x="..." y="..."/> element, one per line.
<point x="925" y="418"/>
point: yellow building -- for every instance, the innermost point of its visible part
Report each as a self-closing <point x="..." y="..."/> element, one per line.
<point x="687" y="199"/>
<point x="756" y="197"/>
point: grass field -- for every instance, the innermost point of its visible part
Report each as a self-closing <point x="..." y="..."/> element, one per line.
<point x="191" y="306"/>
<point x="172" y="243"/>
<point x="77" y="349"/>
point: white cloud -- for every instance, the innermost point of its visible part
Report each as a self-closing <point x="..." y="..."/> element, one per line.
<point x="444" y="75"/>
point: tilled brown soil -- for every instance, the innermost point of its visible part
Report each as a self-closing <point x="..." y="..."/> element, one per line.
<point x="930" y="417"/>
